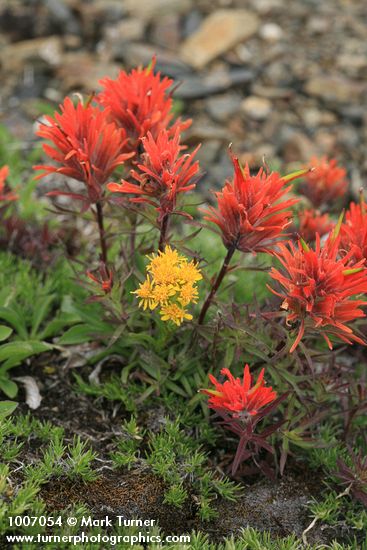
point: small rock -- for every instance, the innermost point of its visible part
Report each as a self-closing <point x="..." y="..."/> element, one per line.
<point x="14" y="56"/>
<point x="140" y="53"/>
<point x="222" y="107"/>
<point x="194" y="87"/>
<point x="208" y="151"/>
<point x="244" y="54"/>
<point x="150" y="9"/>
<point x="125" y="30"/>
<point x="72" y="41"/>
<point x="352" y="65"/>
<point x="166" y="31"/>
<point x="313" y="118"/>
<point x="278" y="75"/>
<point x="257" y="157"/>
<point x="272" y="92"/>
<point x="266" y="6"/>
<point x="218" y="33"/>
<point x="356" y="114"/>
<point x="257" y="108"/>
<point x="334" y="88"/>
<point x="325" y="142"/>
<point x="348" y="137"/>
<point x="83" y="71"/>
<point x="296" y="146"/>
<point x="191" y="23"/>
<point x="271" y="32"/>
<point x="102" y="11"/>
<point x="62" y="15"/>
<point x="318" y="25"/>
<point x="203" y="130"/>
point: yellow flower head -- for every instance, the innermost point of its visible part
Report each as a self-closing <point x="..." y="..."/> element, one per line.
<point x="189" y="273"/>
<point x="170" y="284"/>
<point x="188" y="293"/>
<point x="168" y="258"/>
<point x="144" y="292"/>
<point x="162" y="293"/>
<point x="172" y="312"/>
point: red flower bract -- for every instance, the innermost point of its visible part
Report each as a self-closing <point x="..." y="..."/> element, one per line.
<point x="87" y="147"/>
<point x="237" y="396"/>
<point x="250" y="214"/>
<point x="325" y="181"/>
<point x="5" y="195"/>
<point x="318" y="286"/>
<point x="140" y="102"/>
<point x="103" y="277"/>
<point x="312" y="222"/>
<point x="164" y="173"/>
<point x="353" y="231"/>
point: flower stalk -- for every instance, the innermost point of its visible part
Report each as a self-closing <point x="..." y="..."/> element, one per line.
<point x="163" y="234"/>
<point x="101" y="230"/>
<point x="216" y="283"/>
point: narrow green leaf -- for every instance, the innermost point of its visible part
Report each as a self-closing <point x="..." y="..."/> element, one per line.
<point x="8" y="387"/>
<point x="5" y="332"/>
<point x="7" y="408"/>
<point x="40" y="311"/>
<point x="15" y="320"/>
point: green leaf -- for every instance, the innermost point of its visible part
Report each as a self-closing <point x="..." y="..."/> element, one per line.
<point x="56" y="326"/>
<point x="6" y="408"/>
<point x="5" y="332"/>
<point x="15" y="320"/>
<point x="14" y="353"/>
<point x="8" y="387"/>
<point x="40" y="312"/>
<point x="295" y="175"/>
<point x="175" y="388"/>
<point x="79" y="334"/>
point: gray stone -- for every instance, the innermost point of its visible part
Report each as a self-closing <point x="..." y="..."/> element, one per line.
<point x="14" y="56"/>
<point x="149" y="9"/>
<point x="197" y="87"/>
<point x="125" y="30"/>
<point x="334" y="88"/>
<point x="271" y="32"/>
<point x="257" y="108"/>
<point x="222" y="107"/>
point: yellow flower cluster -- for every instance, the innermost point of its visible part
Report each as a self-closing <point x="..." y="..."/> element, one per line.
<point x="170" y="285"/>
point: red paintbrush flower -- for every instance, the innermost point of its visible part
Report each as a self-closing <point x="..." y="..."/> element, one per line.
<point x="250" y="213"/>
<point x="5" y="195"/>
<point x="242" y="406"/>
<point x="353" y="231"/>
<point x="312" y="222"/>
<point x="325" y="182"/>
<point x="140" y="102"/>
<point x="164" y="173"/>
<point x="86" y="147"/>
<point x="318" y="286"/>
<point x="237" y="396"/>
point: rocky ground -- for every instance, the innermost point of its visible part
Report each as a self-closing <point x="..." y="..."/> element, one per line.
<point x="284" y="80"/>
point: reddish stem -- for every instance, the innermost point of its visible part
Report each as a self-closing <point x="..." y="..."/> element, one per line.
<point x="216" y="284"/>
<point x="163" y="235"/>
<point x="102" y="234"/>
<point x="133" y="234"/>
